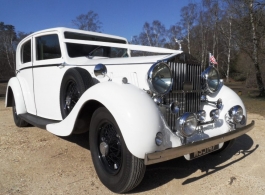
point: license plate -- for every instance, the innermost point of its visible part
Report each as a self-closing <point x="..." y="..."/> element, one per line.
<point x="201" y="152"/>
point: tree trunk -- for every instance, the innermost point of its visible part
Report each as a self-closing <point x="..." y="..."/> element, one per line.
<point x="229" y="49"/>
<point x="255" y="50"/>
<point x="188" y="38"/>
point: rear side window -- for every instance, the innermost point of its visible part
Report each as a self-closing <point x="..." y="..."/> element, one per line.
<point x="26" y="52"/>
<point x="48" y="47"/>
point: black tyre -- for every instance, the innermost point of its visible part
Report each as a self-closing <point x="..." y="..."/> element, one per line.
<point x="116" y="167"/>
<point x="75" y="82"/>
<point x="18" y="121"/>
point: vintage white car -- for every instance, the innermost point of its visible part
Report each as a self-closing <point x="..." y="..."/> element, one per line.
<point x="138" y="110"/>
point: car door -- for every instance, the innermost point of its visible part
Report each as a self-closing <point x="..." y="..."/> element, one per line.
<point x="47" y="74"/>
<point x="25" y="73"/>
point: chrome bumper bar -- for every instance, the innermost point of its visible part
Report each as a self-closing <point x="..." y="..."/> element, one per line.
<point x="172" y="153"/>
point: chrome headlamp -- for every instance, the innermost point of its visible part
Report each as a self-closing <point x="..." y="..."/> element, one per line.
<point x="211" y="80"/>
<point x="187" y="124"/>
<point x="159" y="78"/>
<point x="236" y="114"/>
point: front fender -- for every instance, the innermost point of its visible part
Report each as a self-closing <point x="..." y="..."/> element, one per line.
<point x="229" y="99"/>
<point x="135" y="112"/>
<point x="14" y="85"/>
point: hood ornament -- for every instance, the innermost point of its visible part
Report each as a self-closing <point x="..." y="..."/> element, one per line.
<point x="179" y="43"/>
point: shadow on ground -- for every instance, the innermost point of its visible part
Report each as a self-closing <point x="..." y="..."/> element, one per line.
<point x="80" y="139"/>
<point x="159" y="174"/>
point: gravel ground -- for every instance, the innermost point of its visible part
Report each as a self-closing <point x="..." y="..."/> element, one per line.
<point x="34" y="161"/>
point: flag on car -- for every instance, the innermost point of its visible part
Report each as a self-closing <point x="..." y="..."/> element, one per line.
<point x="212" y="60"/>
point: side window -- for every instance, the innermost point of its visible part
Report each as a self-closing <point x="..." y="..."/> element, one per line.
<point x="48" y="47"/>
<point x="26" y="52"/>
<point x="99" y="52"/>
<point x="118" y="52"/>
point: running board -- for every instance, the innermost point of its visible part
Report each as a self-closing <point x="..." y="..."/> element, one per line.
<point x="37" y="121"/>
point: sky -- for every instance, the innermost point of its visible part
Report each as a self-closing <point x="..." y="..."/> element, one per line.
<point x="119" y="17"/>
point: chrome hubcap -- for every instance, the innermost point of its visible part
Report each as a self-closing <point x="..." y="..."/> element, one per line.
<point x="72" y="96"/>
<point x="68" y="101"/>
<point x="109" y="148"/>
<point x="104" y="148"/>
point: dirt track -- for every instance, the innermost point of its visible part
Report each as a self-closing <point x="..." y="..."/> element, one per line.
<point x="33" y="161"/>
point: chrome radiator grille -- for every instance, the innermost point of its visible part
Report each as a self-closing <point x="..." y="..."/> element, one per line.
<point x="186" y="90"/>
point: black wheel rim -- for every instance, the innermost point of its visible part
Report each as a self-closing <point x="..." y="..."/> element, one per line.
<point x="111" y="158"/>
<point x="71" y="97"/>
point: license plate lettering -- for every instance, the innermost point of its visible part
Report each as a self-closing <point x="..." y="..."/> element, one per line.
<point x="201" y="152"/>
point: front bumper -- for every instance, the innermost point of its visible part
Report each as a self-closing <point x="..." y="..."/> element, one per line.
<point x="172" y="153"/>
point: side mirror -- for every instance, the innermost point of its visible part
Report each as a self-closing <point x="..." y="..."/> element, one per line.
<point x="100" y="70"/>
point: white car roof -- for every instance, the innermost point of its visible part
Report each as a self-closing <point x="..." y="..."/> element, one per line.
<point x="63" y="29"/>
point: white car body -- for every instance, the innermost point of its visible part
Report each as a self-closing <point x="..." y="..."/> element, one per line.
<point x="36" y="92"/>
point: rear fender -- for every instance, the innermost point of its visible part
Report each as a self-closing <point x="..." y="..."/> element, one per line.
<point x="13" y="90"/>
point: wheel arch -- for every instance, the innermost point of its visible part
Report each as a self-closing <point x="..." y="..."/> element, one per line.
<point x="135" y="112"/>
<point x="81" y="76"/>
<point x="14" y="92"/>
<point x="9" y="97"/>
<point x="84" y="116"/>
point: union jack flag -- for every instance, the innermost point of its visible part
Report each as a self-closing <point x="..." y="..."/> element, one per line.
<point x="213" y="60"/>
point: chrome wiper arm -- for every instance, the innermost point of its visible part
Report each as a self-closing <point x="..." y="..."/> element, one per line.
<point x="90" y="53"/>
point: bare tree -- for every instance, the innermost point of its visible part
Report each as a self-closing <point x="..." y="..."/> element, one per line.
<point x="248" y="16"/>
<point x="203" y="37"/>
<point x="226" y="32"/>
<point x="89" y="21"/>
<point x="21" y="35"/>
<point x="173" y="33"/>
<point x="188" y="16"/>
<point x="7" y="50"/>
<point x="213" y="12"/>
<point x="153" y="34"/>
<point x="254" y="22"/>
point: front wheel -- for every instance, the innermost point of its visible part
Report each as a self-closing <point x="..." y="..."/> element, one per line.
<point x="117" y="168"/>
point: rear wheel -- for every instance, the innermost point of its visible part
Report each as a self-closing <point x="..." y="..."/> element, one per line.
<point x="75" y="82"/>
<point x="117" y="168"/>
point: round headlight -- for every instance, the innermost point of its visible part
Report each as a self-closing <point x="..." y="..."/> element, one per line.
<point x="159" y="78"/>
<point x="211" y="79"/>
<point x="187" y="124"/>
<point x="236" y="113"/>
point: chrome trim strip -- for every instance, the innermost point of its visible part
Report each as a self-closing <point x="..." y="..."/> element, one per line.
<point x="125" y="46"/>
<point x="172" y="153"/>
